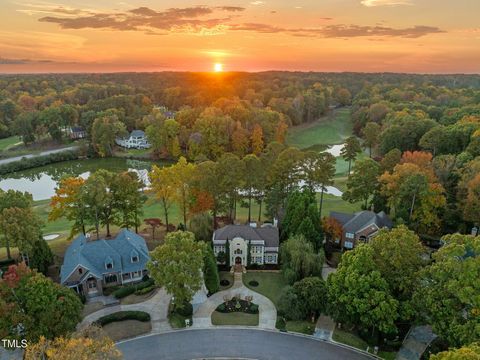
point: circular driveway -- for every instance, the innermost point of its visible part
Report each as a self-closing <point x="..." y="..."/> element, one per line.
<point x="233" y="343"/>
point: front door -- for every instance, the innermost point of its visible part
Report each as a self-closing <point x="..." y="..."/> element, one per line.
<point x="238" y="260"/>
<point x="92" y="286"/>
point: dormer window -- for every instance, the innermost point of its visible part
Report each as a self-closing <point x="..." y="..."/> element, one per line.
<point x="108" y="263"/>
<point x="134" y="256"/>
<point x="80" y="270"/>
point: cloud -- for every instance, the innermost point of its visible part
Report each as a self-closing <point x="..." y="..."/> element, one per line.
<point x="341" y="31"/>
<point x="257" y="3"/>
<point x="372" y="3"/>
<point x="13" y="61"/>
<point x="204" y="20"/>
<point x="191" y="19"/>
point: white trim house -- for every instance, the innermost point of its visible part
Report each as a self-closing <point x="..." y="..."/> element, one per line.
<point x="135" y="140"/>
<point x="90" y="265"/>
<point x="263" y="243"/>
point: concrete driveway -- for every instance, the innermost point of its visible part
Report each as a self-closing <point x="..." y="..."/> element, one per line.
<point x="156" y="306"/>
<point x="231" y="343"/>
<point x="267" y="310"/>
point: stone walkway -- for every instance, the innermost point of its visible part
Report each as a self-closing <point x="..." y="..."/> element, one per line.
<point x="156" y="306"/>
<point x="267" y="310"/>
<point x="324" y="328"/>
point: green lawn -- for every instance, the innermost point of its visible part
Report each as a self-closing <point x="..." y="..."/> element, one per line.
<point x="269" y="284"/>
<point x="234" y="318"/>
<point x="349" y="338"/>
<point x="329" y="130"/>
<point x="301" y="326"/>
<point x="9" y="142"/>
<point x="226" y="275"/>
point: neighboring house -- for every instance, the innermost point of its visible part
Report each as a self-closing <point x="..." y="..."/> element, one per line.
<point x="263" y="243"/>
<point x="90" y="265"/>
<point x="360" y="227"/>
<point x="136" y="140"/>
<point x="76" y="132"/>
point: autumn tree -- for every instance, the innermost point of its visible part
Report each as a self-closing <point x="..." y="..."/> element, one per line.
<point x="182" y="177"/>
<point x="257" y="139"/>
<point x="42" y="307"/>
<point x="471" y="204"/>
<point x="89" y="343"/>
<point x="332" y="228"/>
<point x="318" y="170"/>
<point x="466" y="352"/>
<point x="177" y="265"/>
<point x="8" y="200"/>
<point x="371" y="133"/>
<point x="67" y="203"/>
<point x="363" y="182"/>
<point x="128" y="199"/>
<point x="350" y="150"/>
<point x="163" y="186"/>
<point x="104" y="132"/>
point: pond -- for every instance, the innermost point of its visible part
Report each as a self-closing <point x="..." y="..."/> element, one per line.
<point x="42" y="181"/>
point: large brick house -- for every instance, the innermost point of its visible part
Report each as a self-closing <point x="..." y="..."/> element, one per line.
<point x="263" y="243"/>
<point x="360" y="226"/>
<point x="90" y="265"/>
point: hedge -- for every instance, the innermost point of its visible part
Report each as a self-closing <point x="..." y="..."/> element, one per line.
<point x="144" y="290"/>
<point x="35" y="161"/>
<point x="130" y="289"/>
<point x="122" y="316"/>
<point x="186" y="310"/>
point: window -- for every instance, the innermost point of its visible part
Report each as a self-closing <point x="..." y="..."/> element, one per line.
<point x="108" y="263"/>
<point x="238" y="252"/>
<point x="80" y="271"/>
<point x="110" y="278"/>
<point x="134" y="256"/>
<point x="349" y="235"/>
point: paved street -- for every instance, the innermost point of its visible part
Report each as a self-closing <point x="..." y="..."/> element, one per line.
<point x="43" y="153"/>
<point x="233" y="344"/>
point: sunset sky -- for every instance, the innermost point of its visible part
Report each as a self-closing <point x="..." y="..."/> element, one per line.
<point x="431" y="36"/>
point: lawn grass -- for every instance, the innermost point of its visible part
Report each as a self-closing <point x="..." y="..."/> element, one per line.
<point x="226" y="275"/>
<point x="234" y="318"/>
<point x="135" y="299"/>
<point x="121" y="330"/>
<point x="9" y="142"/>
<point x="301" y="326"/>
<point x="269" y="284"/>
<point x="328" y="130"/>
<point x="352" y="339"/>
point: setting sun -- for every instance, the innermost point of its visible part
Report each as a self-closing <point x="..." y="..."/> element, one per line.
<point x="218" y="67"/>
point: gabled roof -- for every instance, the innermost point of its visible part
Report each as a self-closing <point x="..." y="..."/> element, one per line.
<point x="267" y="233"/>
<point x="93" y="254"/>
<point x="355" y="222"/>
<point x="137" y="133"/>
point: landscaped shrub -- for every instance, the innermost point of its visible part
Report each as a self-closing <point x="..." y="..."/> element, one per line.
<point x="253" y="283"/>
<point x="186" y="310"/>
<point x="281" y="324"/>
<point x="124" y="291"/>
<point x="130" y="289"/>
<point x="252" y="309"/>
<point x="145" y="290"/>
<point x="28" y="163"/>
<point x="210" y="271"/>
<point x="122" y="316"/>
<point x="238" y="305"/>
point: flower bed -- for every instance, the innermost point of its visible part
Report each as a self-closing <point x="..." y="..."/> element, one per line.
<point x="236" y="304"/>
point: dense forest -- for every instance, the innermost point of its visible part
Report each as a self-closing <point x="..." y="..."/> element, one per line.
<point x="421" y="130"/>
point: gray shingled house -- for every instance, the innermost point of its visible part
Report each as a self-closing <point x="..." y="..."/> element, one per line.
<point x="263" y="243"/>
<point x="360" y="226"/>
<point x="90" y="265"/>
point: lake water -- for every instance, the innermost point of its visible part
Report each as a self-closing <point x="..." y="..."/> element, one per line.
<point x="42" y="181"/>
